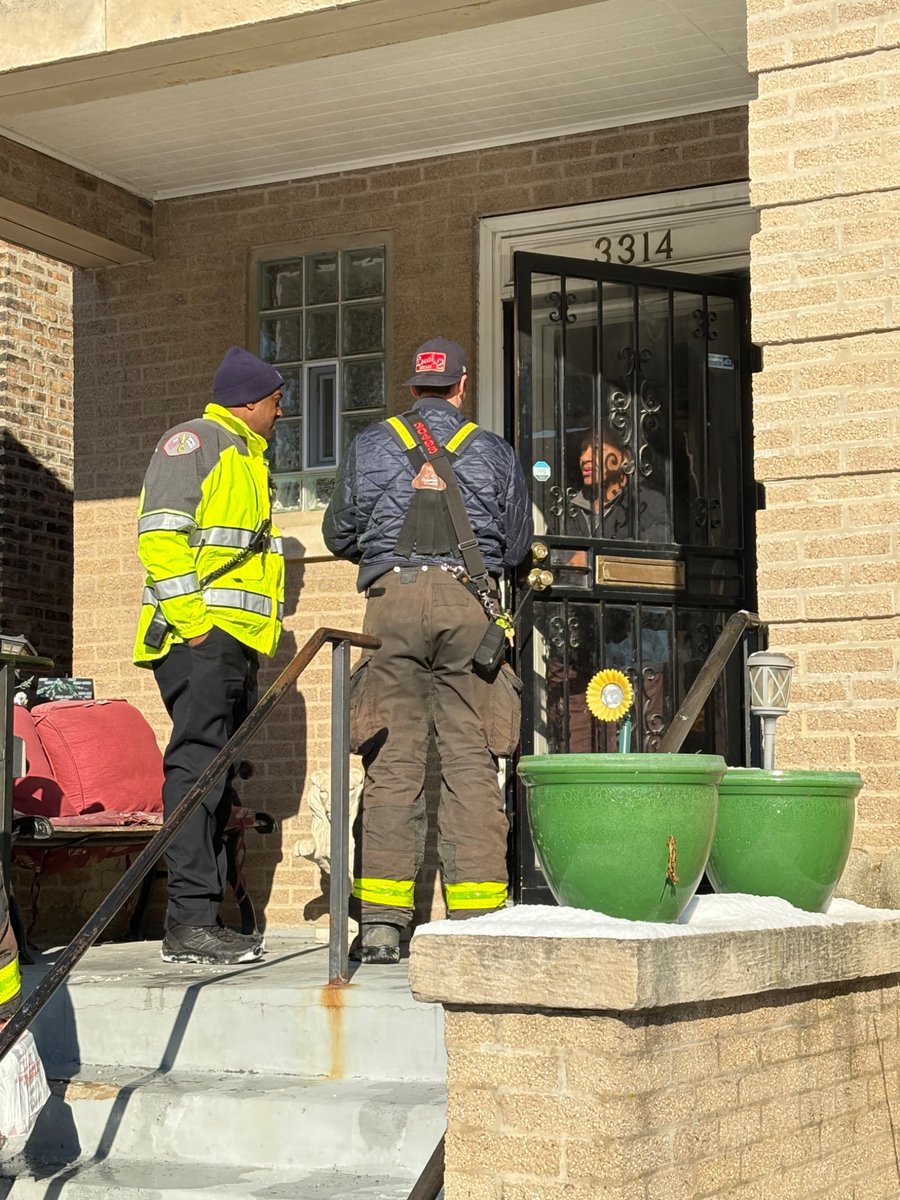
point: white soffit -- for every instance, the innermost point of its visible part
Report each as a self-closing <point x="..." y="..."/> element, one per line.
<point x="607" y="64"/>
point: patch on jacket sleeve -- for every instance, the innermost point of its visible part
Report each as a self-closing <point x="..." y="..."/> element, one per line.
<point x="183" y="442"/>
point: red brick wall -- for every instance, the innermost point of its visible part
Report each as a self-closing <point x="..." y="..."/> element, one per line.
<point x="36" y="459"/>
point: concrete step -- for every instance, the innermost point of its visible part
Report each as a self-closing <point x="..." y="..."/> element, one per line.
<point x="241" y="1121"/>
<point x="277" y="1016"/>
<point x="178" y="1181"/>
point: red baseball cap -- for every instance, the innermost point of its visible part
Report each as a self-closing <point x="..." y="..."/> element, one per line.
<point x="437" y="363"/>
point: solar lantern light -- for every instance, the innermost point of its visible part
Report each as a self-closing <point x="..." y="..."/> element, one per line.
<point x="770" y="694"/>
<point x="15" y="645"/>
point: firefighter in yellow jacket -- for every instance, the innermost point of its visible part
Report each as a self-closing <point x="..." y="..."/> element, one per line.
<point x="213" y="602"/>
<point x="10" y="979"/>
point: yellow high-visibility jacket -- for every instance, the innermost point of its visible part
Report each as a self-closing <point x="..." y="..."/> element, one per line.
<point x="205" y="494"/>
<point x="10" y="980"/>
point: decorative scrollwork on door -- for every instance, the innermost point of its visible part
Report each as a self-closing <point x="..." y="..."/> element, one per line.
<point x="648" y="422"/>
<point x="557" y="504"/>
<point x="572" y="510"/>
<point x="705" y="322"/>
<point x="653" y="725"/>
<point x="556" y="632"/>
<point x="561" y="311"/>
<point x="620" y="418"/>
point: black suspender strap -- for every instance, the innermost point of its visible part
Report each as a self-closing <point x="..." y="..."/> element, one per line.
<point x="413" y="433"/>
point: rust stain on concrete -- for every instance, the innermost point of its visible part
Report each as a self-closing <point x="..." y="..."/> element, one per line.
<point x="332" y="996"/>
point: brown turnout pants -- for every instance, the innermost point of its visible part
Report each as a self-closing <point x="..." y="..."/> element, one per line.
<point x="422" y="678"/>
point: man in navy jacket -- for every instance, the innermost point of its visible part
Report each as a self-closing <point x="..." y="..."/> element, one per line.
<point x="383" y="516"/>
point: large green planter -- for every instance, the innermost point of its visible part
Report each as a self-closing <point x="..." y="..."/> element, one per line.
<point x="602" y="824"/>
<point x="784" y="833"/>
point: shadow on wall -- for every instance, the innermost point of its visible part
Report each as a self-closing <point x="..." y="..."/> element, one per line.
<point x="279" y="752"/>
<point x="36" y="556"/>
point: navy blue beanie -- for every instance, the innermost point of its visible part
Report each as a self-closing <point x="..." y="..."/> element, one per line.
<point x="242" y="378"/>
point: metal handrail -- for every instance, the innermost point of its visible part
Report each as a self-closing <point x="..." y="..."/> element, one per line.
<point x="342" y="640"/>
<point x="683" y="721"/>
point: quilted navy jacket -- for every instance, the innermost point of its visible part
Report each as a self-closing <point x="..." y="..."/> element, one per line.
<point x="374" y="489"/>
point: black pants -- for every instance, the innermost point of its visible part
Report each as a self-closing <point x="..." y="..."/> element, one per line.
<point x="208" y="690"/>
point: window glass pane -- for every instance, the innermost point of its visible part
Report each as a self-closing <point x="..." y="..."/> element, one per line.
<point x="288" y="492"/>
<point x="281" y="284"/>
<point x="320" y="490"/>
<point x="363" y="384"/>
<point x="321" y="449"/>
<point x="281" y="338"/>
<point x="321" y="333"/>
<point x="362" y="328"/>
<point x="363" y="273"/>
<point x="291" y="395"/>
<point x="352" y="424"/>
<point x="285" y="449"/>
<point x="321" y="278"/>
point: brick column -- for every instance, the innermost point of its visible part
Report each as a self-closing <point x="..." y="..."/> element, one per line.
<point x="825" y="175"/>
<point x="668" y="1068"/>
<point x="36" y="456"/>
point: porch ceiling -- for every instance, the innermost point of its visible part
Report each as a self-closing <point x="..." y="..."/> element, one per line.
<point x="580" y="68"/>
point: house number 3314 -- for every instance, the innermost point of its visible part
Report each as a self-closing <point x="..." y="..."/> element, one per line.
<point x="641" y="247"/>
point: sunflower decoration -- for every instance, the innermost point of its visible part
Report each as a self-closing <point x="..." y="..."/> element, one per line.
<point x="609" y="697"/>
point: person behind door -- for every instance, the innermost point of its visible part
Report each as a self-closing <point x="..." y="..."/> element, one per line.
<point x="213" y="602"/>
<point x="422" y="677"/>
<point x="601" y="506"/>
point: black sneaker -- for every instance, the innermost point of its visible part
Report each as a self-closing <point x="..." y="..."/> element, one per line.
<point x="234" y="938"/>
<point x="377" y="944"/>
<point x="205" y="944"/>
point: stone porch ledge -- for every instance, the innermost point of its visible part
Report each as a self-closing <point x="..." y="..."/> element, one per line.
<point x="568" y="960"/>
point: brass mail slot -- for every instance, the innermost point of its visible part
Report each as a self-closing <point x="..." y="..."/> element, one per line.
<point x="665" y="573"/>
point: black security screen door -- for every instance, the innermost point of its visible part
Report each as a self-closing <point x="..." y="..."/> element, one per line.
<point x="632" y="425"/>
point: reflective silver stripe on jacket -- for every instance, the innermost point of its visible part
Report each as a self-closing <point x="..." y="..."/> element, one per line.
<point x="174" y="522"/>
<point x="280" y="611"/>
<point x="176" y="585"/>
<point x="149" y="597"/>
<point x="236" y="598"/>
<point x="276" y="545"/>
<point x="222" y="535"/>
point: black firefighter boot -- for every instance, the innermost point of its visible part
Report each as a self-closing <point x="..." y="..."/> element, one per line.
<point x="377" y="944"/>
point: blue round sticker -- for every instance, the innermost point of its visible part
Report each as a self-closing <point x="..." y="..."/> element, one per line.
<point x="541" y="471"/>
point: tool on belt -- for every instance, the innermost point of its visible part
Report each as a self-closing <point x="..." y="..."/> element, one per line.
<point x="437" y="523"/>
<point x="159" y="627"/>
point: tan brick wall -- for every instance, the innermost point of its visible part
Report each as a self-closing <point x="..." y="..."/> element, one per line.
<point x="96" y="216"/>
<point x="769" y="1097"/>
<point x="148" y="338"/>
<point x="824" y="171"/>
<point x="36" y="459"/>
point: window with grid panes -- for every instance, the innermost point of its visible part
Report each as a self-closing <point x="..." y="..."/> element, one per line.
<point x="321" y="322"/>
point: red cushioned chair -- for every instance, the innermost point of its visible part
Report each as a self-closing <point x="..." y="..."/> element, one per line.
<point x="95" y="772"/>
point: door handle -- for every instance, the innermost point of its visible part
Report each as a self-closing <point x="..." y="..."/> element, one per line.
<point x="539" y="579"/>
<point x="539" y="551"/>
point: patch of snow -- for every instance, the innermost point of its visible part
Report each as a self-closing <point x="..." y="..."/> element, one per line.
<point x="704" y="914"/>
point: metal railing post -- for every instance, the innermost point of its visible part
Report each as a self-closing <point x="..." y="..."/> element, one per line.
<point x="339" y="894"/>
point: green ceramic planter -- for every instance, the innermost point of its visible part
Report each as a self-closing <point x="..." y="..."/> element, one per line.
<point x="784" y="833"/>
<point x="601" y="825"/>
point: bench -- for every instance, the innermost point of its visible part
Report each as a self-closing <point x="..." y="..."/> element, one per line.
<point x="91" y="789"/>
